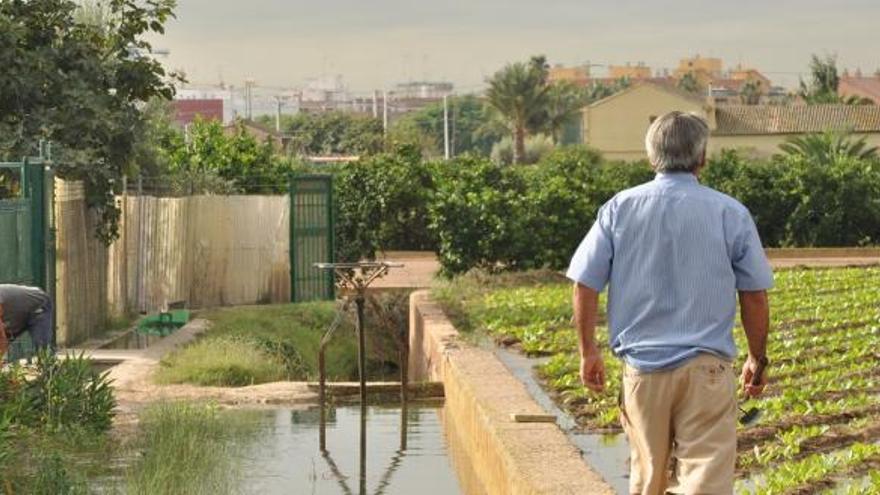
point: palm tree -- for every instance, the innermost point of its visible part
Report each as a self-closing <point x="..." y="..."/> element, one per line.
<point x="599" y="90"/>
<point x="519" y="92"/>
<point x="689" y="83"/>
<point x="828" y="147"/>
<point x="564" y="103"/>
<point x="750" y="93"/>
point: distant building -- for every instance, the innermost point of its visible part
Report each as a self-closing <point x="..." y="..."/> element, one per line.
<point x="860" y="86"/>
<point x="225" y="95"/>
<point x="325" y="89"/>
<point x="616" y="125"/>
<point x="704" y="69"/>
<point x="186" y="111"/>
<point x="740" y="73"/>
<point x="423" y="90"/>
<point x="629" y="71"/>
<point x="579" y="75"/>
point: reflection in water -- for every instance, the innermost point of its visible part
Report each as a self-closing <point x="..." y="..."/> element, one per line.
<point x="464" y="464"/>
<point x="132" y="340"/>
<point x="289" y="460"/>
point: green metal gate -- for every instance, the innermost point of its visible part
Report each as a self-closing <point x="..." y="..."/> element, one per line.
<point x="26" y="245"/>
<point x="311" y="237"/>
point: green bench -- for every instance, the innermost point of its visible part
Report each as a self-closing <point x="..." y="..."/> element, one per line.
<point x="164" y="323"/>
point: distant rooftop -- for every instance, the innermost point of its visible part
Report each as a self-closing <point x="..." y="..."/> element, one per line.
<point x="866" y="87"/>
<point x="795" y="119"/>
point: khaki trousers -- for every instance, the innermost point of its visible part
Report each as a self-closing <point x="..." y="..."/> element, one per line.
<point x="681" y="425"/>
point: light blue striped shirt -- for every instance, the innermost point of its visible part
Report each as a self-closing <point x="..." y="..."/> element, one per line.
<point x="673" y="253"/>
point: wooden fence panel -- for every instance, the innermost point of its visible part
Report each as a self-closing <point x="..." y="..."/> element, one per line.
<point x="81" y="289"/>
<point x="205" y="250"/>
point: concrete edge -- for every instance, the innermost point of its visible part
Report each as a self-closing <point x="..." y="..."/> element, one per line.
<point x="186" y="334"/>
<point x="785" y="253"/>
<point x="501" y="455"/>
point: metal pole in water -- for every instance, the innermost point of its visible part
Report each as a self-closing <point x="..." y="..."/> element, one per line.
<point x="362" y="372"/>
<point x="404" y="392"/>
<point x="363" y="452"/>
<point x="362" y="348"/>
<point x="322" y="382"/>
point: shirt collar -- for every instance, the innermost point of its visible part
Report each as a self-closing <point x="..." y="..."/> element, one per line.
<point x="677" y="177"/>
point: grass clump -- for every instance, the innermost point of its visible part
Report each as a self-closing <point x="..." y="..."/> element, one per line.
<point x="222" y="362"/>
<point x="189" y="448"/>
<point x="259" y="344"/>
<point x="294" y="331"/>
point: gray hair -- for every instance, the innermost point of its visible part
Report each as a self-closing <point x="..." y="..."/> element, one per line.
<point x="676" y="142"/>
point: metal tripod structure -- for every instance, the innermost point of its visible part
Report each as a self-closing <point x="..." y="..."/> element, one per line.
<point x="353" y="280"/>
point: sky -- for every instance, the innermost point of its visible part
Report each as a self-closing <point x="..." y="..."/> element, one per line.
<point x="375" y="44"/>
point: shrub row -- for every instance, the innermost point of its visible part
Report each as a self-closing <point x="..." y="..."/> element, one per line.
<point x="477" y="214"/>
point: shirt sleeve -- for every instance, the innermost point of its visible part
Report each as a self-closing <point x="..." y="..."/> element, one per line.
<point x="591" y="263"/>
<point x="750" y="265"/>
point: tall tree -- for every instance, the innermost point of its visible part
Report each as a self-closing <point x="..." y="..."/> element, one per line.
<point x="824" y="80"/>
<point x="598" y="90"/>
<point x="564" y="104"/>
<point x="334" y="133"/>
<point x="823" y="84"/>
<point x="689" y="83"/>
<point x="750" y="93"/>
<point x="471" y="127"/>
<point x="79" y="79"/>
<point x="519" y="93"/>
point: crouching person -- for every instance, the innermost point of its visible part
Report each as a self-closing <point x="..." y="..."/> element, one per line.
<point x="25" y="309"/>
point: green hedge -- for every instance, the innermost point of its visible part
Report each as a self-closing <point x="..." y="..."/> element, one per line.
<point x="477" y="214"/>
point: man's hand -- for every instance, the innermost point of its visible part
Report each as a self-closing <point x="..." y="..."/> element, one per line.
<point x="755" y="309"/>
<point x="748" y="372"/>
<point x="593" y="369"/>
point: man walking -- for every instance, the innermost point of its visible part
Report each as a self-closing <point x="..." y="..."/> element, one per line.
<point x="675" y="254"/>
<point x="25" y="309"/>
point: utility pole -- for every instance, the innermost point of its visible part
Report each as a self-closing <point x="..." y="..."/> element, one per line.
<point x="278" y="114"/>
<point x="385" y="112"/>
<point x="452" y="132"/>
<point x="446" y="126"/>
<point x="249" y="98"/>
<point x="375" y="104"/>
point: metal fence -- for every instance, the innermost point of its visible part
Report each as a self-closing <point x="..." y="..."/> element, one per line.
<point x="311" y="237"/>
<point x="26" y="252"/>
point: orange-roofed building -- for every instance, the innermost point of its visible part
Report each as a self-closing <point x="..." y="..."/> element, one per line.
<point x="579" y="75"/>
<point x="629" y="71"/>
<point x="861" y="86"/>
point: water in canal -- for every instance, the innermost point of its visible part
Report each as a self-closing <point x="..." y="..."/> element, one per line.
<point x="607" y="454"/>
<point x="289" y="460"/>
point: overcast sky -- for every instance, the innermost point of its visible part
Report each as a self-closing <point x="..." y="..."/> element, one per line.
<point x="377" y="43"/>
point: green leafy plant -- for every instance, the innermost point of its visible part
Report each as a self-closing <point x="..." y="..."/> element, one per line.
<point x="828" y="147"/>
<point x="819" y="426"/>
<point x="69" y="393"/>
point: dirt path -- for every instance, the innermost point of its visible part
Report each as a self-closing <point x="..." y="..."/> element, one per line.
<point x="134" y="386"/>
<point x="133" y="381"/>
<point x="420" y="268"/>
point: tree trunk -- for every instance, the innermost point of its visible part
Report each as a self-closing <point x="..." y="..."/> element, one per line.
<point x="519" y="145"/>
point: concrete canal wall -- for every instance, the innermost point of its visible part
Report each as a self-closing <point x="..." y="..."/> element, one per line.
<point x="494" y="453"/>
